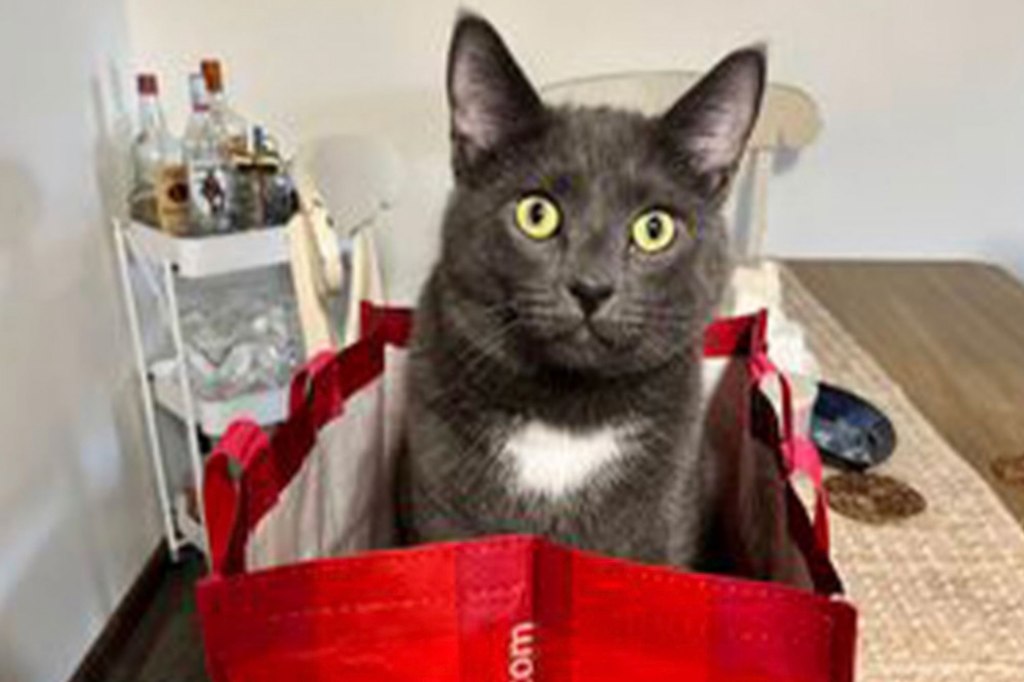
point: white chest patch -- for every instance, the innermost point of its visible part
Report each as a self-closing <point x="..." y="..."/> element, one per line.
<point x="554" y="461"/>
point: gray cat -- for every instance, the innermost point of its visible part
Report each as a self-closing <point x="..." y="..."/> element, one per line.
<point x="555" y="374"/>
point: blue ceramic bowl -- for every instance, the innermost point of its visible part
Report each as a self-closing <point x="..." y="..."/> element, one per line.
<point x="850" y="432"/>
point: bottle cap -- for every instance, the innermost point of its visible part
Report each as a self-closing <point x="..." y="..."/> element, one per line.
<point x="212" y="75"/>
<point x="146" y="84"/>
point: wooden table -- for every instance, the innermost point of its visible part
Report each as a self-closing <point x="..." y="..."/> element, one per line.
<point x="952" y="336"/>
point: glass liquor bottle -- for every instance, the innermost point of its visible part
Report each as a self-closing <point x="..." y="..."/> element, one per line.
<point x="159" y="194"/>
<point x="210" y="171"/>
<point x="235" y="125"/>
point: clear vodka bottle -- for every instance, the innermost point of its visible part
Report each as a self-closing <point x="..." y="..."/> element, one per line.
<point x="210" y="171"/>
<point x="159" y="192"/>
<point x="235" y="126"/>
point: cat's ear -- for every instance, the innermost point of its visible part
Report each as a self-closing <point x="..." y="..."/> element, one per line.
<point x="708" y="127"/>
<point x="490" y="98"/>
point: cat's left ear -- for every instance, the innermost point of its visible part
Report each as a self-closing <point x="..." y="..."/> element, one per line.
<point x="709" y="126"/>
<point x="491" y="99"/>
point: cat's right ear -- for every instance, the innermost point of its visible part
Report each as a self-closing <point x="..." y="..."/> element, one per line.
<point x="490" y="98"/>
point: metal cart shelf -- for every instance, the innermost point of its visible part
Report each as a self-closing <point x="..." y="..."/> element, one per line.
<point x="165" y="382"/>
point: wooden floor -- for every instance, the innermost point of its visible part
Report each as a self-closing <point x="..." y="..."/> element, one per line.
<point x="165" y="646"/>
<point x="952" y="335"/>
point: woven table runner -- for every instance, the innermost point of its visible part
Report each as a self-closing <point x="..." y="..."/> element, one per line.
<point x="941" y="594"/>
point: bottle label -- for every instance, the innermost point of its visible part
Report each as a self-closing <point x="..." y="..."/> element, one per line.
<point x="172" y="198"/>
<point x="208" y="191"/>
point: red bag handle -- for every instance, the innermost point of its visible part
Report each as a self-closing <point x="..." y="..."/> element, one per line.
<point x="303" y="380"/>
<point x="748" y="336"/>
<point x="736" y="336"/>
<point x="799" y="453"/>
<point x="243" y="478"/>
<point x="225" y="494"/>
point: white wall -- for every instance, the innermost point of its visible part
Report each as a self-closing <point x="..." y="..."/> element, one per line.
<point x="923" y="99"/>
<point x="76" y="514"/>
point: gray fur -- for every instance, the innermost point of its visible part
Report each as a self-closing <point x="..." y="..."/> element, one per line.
<point x="499" y="339"/>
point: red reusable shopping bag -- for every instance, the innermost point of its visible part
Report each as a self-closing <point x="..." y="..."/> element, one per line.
<point x="294" y="595"/>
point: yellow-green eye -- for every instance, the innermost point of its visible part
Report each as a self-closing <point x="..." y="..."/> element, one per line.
<point x="653" y="231"/>
<point x="538" y="216"/>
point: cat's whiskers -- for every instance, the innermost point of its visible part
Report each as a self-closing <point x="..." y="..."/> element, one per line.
<point x="642" y="314"/>
<point x="477" y="368"/>
<point x="467" y="342"/>
<point x="483" y="349"/>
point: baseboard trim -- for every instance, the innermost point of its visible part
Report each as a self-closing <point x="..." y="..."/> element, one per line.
<point x="115" y="635"/>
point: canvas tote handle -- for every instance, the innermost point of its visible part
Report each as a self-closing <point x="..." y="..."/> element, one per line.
<point x="315" y="265"/>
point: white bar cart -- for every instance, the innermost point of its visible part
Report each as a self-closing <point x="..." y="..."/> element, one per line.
<point x="346" y="184"/>
<point x="165" y="383"/>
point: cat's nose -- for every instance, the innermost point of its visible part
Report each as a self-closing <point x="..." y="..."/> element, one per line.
<point x="590" y="294"/>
